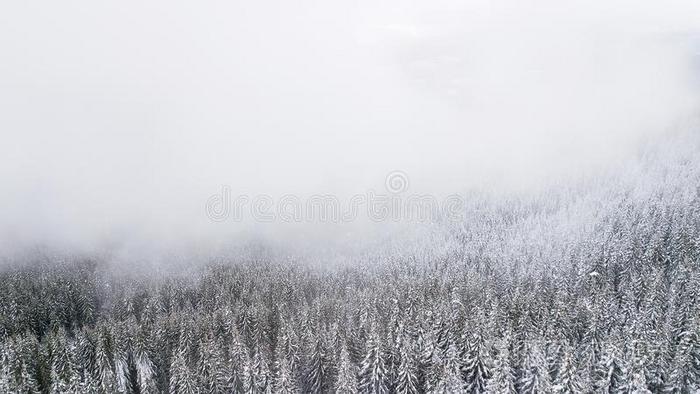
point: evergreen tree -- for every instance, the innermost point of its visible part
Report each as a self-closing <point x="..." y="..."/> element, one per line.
<point x="347" y="374"/>
<point x="284" y="381"/>
<point x="103" y="371"/>
<point x="316" y="377"/>
<point x="27" y="383"/>
<point x="182" y="380"/>
<point x="86" y="366"/>
<point x="450" y="380"/>
<point x="638" y="373"/>
<point x="145" y="369"/>
<point x="657" y="374"/>
<point x="211" y="369"/>
<point x="503" y="377"/>
<point x="64" y="377"/>
<point x="430" y="361"/>
<point x="260" y="372"/>
<point x="121" y="362"/>
<point x="407" y="379"/>
<point x="477" y="366"/>
<point x="239" y="362"/>
<point x="567" y="379"/>
<point x="6" y="375"/>
<point x="535" y="376"/>
<point x="685" y="376"/>
<point x="611" y="372"/>
<point x="373" y="371"/>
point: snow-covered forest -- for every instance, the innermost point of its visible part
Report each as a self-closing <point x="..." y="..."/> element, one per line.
<point x="271" y="196"/>
<point x="592" y="289"/>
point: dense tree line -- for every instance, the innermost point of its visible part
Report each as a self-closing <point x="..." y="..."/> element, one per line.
<point x="266" y="327"/>
<point x="564" y="294"/>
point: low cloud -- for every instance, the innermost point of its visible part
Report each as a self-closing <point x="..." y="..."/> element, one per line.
<point x="121" y="120"/>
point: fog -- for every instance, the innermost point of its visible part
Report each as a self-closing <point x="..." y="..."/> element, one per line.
<point x="119" y="120"/>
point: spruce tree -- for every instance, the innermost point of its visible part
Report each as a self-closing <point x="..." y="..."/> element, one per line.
<point x="535" y="375"/>
<point x="121" y="362"/>
<point x="284" y="382"/>
<point x="182" y="380"/>
<point x="211" y="368"/>
<point x="316" y="376"/>
<point x="103" y="370"/>
<point x="346" y="382"/>
<point x="685" y="375"/>
<point x="239" y="362"/>
<point x="145" y="369"/>
<point x="373" y="379"/>
<point x="502" y="379"/>
<point x="611" y="373"/>
<point x="477" y="366"/>
<point x="64" y="377"/>
<point x="450" y="380"/>
<point x="406" y="378"/>
<point x="260" y="372"/>
<point x="567" y="380"/>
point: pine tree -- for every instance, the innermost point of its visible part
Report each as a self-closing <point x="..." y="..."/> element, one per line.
<point x="685" y="376"/>
<point x="391" y="352"/>
<point x="239" y="362"/>
<point x="373" y="371"/>
<point x="6" y="375"/>
<point x="145" y="369"/>
<point x="86" y="362"/>
<point x="657" y="371"/>
<point x="502" y="379"/>
<point x="64" y="377"/>
<point x="260" y="372"/>
<point x="554" y="355"/>
<point x="450" y="380"/>
<point x="638" y="373"/>
<point x="477" y="366"/>
<point x="316" y="377"/>
<point x="407" y="379"/>
<point x="121" y="361"/>
<point x="248" y="379"/>
<point x="27" y="383"/>
<point x="293" y="354"/>
<point x="611" y="374"/>
<point x="103" y="372"/>
<point x="347" y="374"/>
<point x="25" y="364"/>
<point x="535" y="375"/>
<point x="430" y="361"/>
<point x="567" y="380"/>
<point x="284" y="382"/>
<point x="182" y="380"/>
<point x="211" y="367"/>
<point x="638" y="384"/>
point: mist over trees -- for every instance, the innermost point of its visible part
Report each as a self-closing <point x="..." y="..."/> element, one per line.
<point x="182" y="187"/>
<point x="593" y="289"/>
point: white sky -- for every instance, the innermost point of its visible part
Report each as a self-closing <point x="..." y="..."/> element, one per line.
<point x="123" y="117"/>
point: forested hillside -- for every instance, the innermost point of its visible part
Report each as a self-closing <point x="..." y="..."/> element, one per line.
<point x="594" y="291"/>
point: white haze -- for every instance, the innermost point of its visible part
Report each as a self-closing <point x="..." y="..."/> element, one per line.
<point x="119" y="119"/>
